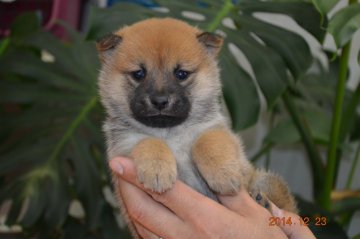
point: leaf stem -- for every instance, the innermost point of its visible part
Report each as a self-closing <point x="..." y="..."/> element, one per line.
<point x="74" y="124"/>
<point x="3" y="45"/>
<point x="335" y="128"/>
<point x="353" y="168"/>
<point x="313" y="153"/>
<point x="220" y="16"/>
<point x="31" y="179"/>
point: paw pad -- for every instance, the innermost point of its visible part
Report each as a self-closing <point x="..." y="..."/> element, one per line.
<point x="261" y="199"/>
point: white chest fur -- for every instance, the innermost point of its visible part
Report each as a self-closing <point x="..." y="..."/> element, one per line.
<point x="180" y="140"/>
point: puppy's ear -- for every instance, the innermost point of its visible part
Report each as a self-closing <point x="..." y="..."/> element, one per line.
<point x="211" y="41"/>
<point x="106" y="45"/>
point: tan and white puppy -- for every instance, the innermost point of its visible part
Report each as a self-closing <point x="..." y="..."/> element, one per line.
<point x="160" y="86"/>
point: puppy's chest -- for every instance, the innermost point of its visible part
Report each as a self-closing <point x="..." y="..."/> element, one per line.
<point x="180" y="143"/>
<point x="181" y="147"/>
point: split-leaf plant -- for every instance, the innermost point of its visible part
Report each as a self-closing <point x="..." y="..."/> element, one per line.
<point x="52" y="148"/>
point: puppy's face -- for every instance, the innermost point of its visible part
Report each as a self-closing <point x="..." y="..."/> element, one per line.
<point x="159" y="72"/>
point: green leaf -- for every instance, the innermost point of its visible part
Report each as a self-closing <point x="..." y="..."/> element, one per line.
<point x="31" y="92"/>
<point x="240" y="93"/>
<point x="355" y="132"/>
<point x="111" y="228"/>
<point x="302" y="12"/>
<point x="37" y="114"/>
<point x="344" y="24"/>
<point x="29" y="65"/>
<point x="25" y="24"/>
<point x="356" y="237"/>
<point x="72" y="33"/>
<point x="176" y="9"/>
<point x="293" y="48"/>
<point x="58" y="205"/>
<point x="78" y="60"/>
<point x="324" y="6"/>
<point x="87" y="182"/>
<point x="104" y="21"/>
<point x="37" y="201"/>
<point x="320" y="124"/>
<point x="14" y="212"/>
<point x="55" y="98"/>
<point x="35" y="154"/>
<point x="283" y="133"/>
<point x="286" y="133"/>
<point x="268" y="67"/>
<point x="3" y="45"/>
<point x="74" y="229"/>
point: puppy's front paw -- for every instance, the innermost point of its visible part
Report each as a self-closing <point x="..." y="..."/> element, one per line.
<point x="220" y="159"/>
<point x="155" y="163"/>
<point x="225" y="179"/>
<point x="157" y="175"/>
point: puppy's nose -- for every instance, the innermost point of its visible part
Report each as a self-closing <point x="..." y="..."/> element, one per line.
<point x="159" y="101"/>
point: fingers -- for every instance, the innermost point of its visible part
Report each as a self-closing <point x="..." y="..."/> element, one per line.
<point x="293" y="231"/>
<point x="149" y="213"/>
<point x="145" y="233"/>
<point x="242" y="204"/>
<point x="185" y="202"/>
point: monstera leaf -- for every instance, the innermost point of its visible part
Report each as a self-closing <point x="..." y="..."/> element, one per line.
<point x="52" y="147"/>
<point x="324" y="6"/>
<point x="345" y="23"/>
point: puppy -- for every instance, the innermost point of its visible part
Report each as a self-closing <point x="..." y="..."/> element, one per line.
<point x="160" y="86"/>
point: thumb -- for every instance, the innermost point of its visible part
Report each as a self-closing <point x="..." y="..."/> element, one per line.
<point x="294" y="230"/>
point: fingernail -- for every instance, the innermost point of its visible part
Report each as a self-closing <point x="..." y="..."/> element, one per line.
<point x="277" y="212"/>
<point x="117" y="167"/>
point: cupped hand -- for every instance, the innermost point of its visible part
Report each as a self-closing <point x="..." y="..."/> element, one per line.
<point x="183" y="213"/>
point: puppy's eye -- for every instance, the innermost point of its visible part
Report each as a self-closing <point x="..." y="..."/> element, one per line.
<point x="181" y="74"/>
<point x="139" y="74"/>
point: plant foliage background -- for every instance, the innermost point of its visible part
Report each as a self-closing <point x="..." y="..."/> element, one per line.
<point x="52" y="147"/>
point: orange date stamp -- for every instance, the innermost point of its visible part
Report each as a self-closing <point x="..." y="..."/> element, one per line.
<point x="302" y="221"/>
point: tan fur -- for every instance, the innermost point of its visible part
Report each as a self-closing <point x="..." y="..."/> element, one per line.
<point x="202" y="144"/>
<point x="221" y="161"/>
<point x="107" y="43"/>
<point x="273" y="187"/>
<point x="155" y="163"/>
<point x="154" y="41"/>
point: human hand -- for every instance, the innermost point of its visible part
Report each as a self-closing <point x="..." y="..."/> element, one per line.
<point x="183" y="213"/>
<point x="293" y="231"/>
